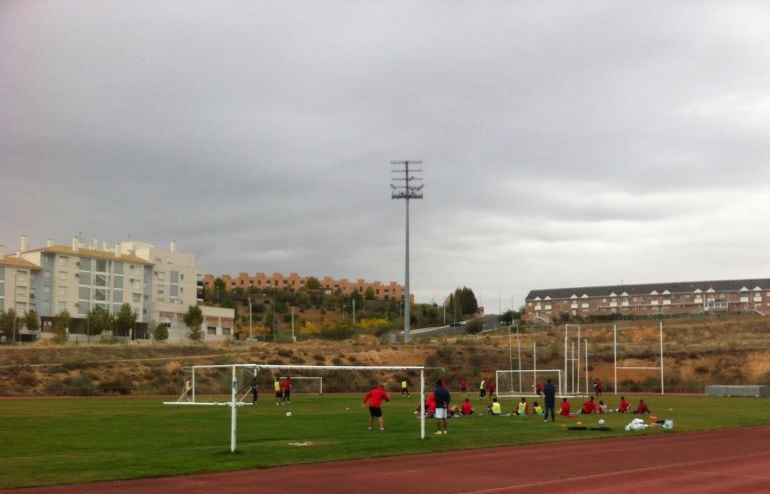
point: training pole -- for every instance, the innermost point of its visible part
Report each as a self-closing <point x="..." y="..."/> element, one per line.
<point x="233" y="414"/>
<point x="615" y="356"/>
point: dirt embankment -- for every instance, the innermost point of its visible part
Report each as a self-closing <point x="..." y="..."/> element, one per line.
<point x="697" y="352"/>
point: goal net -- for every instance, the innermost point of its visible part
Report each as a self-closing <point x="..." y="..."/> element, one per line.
<point x="306" y="384"/>
<point x="229" y="385"/>
<point x="523" y="382"/>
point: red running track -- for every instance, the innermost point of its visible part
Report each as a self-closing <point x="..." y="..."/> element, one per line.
<point x="736" y="460"/>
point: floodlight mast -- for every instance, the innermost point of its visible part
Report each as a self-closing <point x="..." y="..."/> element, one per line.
<point x="406" y="191"/>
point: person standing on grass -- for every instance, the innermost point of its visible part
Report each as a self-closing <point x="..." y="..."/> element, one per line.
<point x="286" y="390"/>
<point x="491" y="389"/>
<point x="442" y="406"/>
<point x="482" y="388"/>
<point x="538" y="387"/>
<point x="404" y="388"/>
<point x="463" y="386"/>
<point x="375" y="398"/>
<point x="549" y="392"/>
<point x="254" y="390"/>
<point x="278" y="391"/>
<point x="597" y="387"/>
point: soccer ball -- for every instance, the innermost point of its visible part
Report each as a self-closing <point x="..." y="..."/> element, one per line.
<point x="288" y="414"/>
<point x="601" y="421"/>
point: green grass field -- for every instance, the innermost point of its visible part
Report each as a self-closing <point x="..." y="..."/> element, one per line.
<point x="55" y="441"/>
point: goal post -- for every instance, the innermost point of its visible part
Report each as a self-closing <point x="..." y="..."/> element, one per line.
<point x="507" y="381"/>
<point x="196" y="399"/>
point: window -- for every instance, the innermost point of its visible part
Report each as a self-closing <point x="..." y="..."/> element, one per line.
<point x="84" y="293"/>
<point x="226" y="331"/>
<point x="211" y="330"/>
<point x="101" y="266"/>
<point x="85" y="264"/>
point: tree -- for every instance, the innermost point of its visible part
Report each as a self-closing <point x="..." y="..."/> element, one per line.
<point x="312" y="283"/>
<point x="125" y="320"/>
<point x="160" y="332"/>
<point x="369" y="293"/>
<point x="99" y="321"/>
<point x="466" y="301"/>
<point x="61" y="323"/>
<point x="8" y="324"/>
<point x="31" y="320"/>
<point x="475" y="326"/>
<point x="194" y="319"/>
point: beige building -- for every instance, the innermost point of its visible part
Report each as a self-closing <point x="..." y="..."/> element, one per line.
<point x="158" y="284"/>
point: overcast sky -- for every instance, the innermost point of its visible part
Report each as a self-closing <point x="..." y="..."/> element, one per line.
<point x="565" y="143"/>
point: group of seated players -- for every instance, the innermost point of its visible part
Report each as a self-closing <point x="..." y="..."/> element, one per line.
<point x="522" y="408"/>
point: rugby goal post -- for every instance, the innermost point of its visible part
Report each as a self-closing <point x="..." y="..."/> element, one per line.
<point x="658" y="367"/>
<point x="235" y="402"/>
<point x="522" y="382"/>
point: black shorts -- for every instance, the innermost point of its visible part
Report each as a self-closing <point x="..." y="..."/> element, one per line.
<point x="375" y="411"/>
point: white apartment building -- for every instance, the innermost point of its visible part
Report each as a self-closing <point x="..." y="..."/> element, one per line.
<point x="158" y="284"/>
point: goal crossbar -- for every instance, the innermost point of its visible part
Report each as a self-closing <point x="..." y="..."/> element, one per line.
<point x="234" y="402"/>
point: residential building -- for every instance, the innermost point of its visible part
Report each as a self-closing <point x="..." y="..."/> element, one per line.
<point x="158" y="284"/>
<point x="748" y="295"/>
<point x="294" y="282"/>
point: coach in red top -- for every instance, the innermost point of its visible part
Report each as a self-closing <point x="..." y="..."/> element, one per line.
<point x="375" y="397"/>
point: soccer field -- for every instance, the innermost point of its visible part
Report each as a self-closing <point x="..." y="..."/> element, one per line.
<point x="53" y="441"/>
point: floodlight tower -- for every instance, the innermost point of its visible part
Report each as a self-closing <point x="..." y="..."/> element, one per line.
<point x="404" y="189"/>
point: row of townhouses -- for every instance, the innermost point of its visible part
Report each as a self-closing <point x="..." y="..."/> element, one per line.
<point x="294" y="282"/>
<point x="690" y="297"/>
<point x="158" y="284"/>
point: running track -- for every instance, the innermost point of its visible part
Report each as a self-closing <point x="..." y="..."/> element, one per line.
<point x="736" y="460"/>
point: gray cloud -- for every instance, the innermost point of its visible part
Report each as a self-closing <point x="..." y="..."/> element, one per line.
<point x="567" y="143"/>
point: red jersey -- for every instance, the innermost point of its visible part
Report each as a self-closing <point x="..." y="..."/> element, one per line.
<point x="375" y="397"/>
<point x="642" y="408"/>
<point x="538" y="386"/>
<point x="463" y="385"/>
<point x="491" y="387"/>
<point x="286" y="384"/>
<point x="623" y="406"/>
<point x="565" y="408"/>
<point x="467" y="409"/>
<point x="430" y="403"/>
<point x="589" y="407"/>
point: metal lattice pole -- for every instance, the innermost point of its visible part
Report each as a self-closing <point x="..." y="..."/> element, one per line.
<point x="405" y="190"/>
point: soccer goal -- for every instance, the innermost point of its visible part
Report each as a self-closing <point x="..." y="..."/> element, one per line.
<point x="206" y="385"/>
<point x="522" y="382"/>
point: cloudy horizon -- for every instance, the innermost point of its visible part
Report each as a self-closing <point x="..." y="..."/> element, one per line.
<point x="564" y="144"/>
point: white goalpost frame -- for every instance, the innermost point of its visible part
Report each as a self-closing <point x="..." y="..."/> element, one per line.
<point x="534" y="372"/>
<point x="570" y="363"/>
<point x="615" y="355"/>
<point x="320" y="380"/>
<point x="234" y="403"/>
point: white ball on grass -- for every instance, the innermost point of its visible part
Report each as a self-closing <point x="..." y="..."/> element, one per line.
<point x="288" y="414"/>
<point x="601" y="421"/>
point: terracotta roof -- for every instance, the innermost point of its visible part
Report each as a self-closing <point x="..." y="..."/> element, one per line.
<point x="95" y="253"/>
<point x="17" y="262"/>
